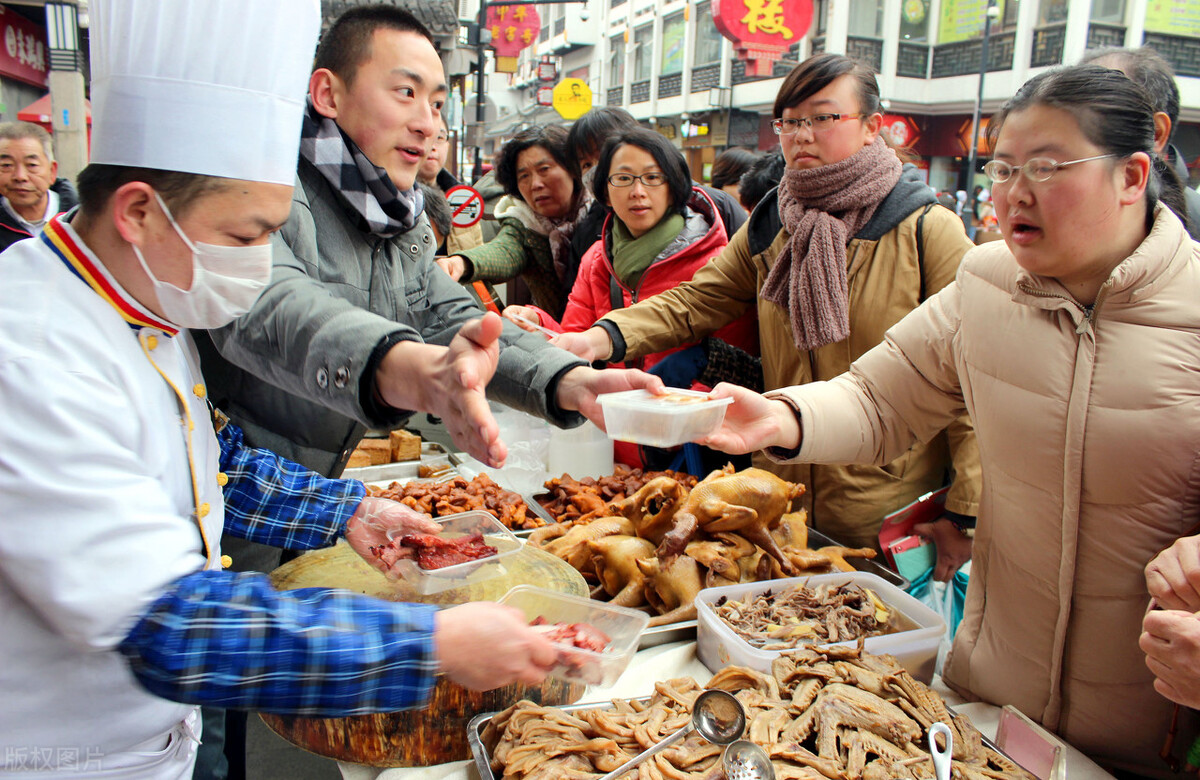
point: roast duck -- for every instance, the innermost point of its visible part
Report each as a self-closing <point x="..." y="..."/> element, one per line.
<point x="658" y="547"/>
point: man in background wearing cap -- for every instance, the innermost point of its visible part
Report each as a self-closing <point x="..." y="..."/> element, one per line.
<point x="327" y="351"/>
<point x="114" y="487"/>
<point x="30" y="190"/>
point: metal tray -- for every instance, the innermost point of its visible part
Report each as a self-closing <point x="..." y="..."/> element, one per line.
<point x="483" y="761"/>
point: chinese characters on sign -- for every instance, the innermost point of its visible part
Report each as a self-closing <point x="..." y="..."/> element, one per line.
<point x="762" y="30"/>
<point x="513" y="27"/>
<point x="23" y="54"/>
<point x="572" y="98"/>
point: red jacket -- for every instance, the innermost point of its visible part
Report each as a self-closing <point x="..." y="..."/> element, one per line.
<point x="702" y="238"/>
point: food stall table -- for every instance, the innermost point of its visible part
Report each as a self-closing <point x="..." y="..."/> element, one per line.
<point x="678" y="660"/>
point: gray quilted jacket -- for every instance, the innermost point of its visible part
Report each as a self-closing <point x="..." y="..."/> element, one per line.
<point x="296" y="372"/>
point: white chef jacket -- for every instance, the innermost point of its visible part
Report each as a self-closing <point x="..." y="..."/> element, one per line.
<point x="99" y="500"/>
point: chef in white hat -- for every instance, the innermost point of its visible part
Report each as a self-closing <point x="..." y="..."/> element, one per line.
<point x="117" y="480"/>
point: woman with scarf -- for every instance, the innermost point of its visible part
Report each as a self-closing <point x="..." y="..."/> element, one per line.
<point x="537" y="215"/>
<point x="1073" y="345"/>
<point x="660" y="229"/>
<point x="849" y="243"/>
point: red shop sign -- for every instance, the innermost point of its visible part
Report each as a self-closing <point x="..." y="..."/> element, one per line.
<point x="23" y="51"/>
<point x="513" y="27"/>
<point x="762" y="30"/>
<point x="900" y="130"/>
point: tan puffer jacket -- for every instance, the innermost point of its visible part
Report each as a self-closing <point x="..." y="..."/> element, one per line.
<point x="1089" y="432"/>
<point x="884" y="279"/>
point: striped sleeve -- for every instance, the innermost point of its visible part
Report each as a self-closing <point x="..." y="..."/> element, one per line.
<point x="273" y="501"/>
<point x="230" y="640"/>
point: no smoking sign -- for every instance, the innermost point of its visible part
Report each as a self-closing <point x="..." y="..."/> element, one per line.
<point x="466" y="205"/>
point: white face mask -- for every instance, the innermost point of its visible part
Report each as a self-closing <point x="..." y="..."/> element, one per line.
<point x="226" y="281"/>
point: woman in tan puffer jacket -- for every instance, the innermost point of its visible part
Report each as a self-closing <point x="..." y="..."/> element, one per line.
<point x="1075" y="346"/>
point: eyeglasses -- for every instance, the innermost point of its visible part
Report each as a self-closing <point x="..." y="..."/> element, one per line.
<point x="819" y="123"/>
<point x="652" y="179"/>
<point x="1035" y="169"/>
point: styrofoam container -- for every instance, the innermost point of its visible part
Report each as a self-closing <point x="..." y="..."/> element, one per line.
<point x="470" y="572"/>
<point x="678" y="417"/>
<point x="719" y="646"/>
<point x="622" y="625"/>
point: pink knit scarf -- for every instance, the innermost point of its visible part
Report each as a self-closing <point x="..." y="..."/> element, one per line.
<point x="823" y="208"/>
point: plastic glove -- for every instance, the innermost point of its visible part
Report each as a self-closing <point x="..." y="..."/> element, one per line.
<point x="368" y="528"/>
<point x="680" y="369"/>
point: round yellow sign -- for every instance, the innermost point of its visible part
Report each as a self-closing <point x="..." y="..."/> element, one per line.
<point x="572" y="98"/>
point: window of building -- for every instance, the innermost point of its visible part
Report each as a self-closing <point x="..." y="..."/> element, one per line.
<point x="616" y="60"/>
<point x="708" y="39"/>
<point x="643" y="38"/>
<point x="914" y="21"/>
<point x="866" y="18"/>
<point x="822" y="17"/>
<point x="1108" y="11"/>
<point x="1052" y="12"/>
<point x="671" y="53"/>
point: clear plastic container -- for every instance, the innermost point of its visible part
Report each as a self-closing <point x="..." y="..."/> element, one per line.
<point x="661" y="420"/>
<point x="453" y="527"/>
<point x="623" y="627"/>
<point x="718" y="645"/>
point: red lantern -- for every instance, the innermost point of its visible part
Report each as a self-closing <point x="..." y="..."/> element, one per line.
<point x="513" y="27"/>
<point x="762" y="30"/>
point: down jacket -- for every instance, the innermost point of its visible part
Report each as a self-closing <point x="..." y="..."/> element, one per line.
<point x="702" y="238"/>
<point x="886" y="282"/>
<point x="1088" y="426"/>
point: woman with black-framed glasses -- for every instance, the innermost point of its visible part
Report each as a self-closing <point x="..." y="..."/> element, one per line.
<point x="660" y="229"/>
<point x="1074" y="345"/>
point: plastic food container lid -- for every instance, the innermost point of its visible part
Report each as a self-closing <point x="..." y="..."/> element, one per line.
<point x="622" y="625"/>
<point x="662" y="420"/>
<point x="453" y="527"/>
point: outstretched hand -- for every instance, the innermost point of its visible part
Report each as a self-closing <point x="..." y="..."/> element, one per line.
<point x="482" y="646"/>
<point x="578" y="388"/>
<point x="590" y="345"/>
<point x="752" y="422"/>
<point x="450" y="382"/>
<point x="368" y="527"/>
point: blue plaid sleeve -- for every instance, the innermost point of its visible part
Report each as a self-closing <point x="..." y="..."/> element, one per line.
<point x="273" y="501"/>
<point x="231" y="640"/>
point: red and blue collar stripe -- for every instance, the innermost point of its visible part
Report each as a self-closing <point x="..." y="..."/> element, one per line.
<point x="63" y="243"/>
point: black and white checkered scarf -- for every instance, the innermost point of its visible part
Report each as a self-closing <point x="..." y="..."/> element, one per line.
<point x="382" y="209"/>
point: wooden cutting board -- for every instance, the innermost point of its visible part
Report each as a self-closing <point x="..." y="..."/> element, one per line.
<point x="438" y="733"/>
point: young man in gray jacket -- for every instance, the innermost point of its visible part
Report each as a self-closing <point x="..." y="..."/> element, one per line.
<point x="359" y="328"/>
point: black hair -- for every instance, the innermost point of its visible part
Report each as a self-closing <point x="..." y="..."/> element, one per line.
<point x="347" y="43"/>
<point x="552" y="138"/>
<point x="669" y="160"/>
<point x="437" y="208"/>
<point x="97" y="183"/>
<point x="1113" y="113"/>
<point x="818" y="72"/>
<point x="730" y="165"/>
<point x="1146" y="68"/>
<point x="762" y="177"/>
<point x="590" y="131"/>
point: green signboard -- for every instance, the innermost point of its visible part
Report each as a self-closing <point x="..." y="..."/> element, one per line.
<point x="1174" y="17"/>
<point x="962" y="20"/>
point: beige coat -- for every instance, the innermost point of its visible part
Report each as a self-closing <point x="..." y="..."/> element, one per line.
<point x="1089" y="432"/>
<point x="846" y="502"/>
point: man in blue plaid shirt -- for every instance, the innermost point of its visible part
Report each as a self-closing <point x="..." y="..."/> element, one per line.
<point x="115" y="489"/>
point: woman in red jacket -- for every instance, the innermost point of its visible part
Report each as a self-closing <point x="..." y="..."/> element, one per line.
<point x="660" y="230"/>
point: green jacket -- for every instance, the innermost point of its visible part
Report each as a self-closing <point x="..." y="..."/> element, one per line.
<point x="518" y="250"/>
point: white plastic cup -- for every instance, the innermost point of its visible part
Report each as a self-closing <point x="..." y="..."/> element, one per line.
<point x="581" y="452"/>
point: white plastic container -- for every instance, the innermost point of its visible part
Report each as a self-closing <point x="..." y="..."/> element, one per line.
<point x="661" y="421"/>
<point x="719" y="646"/>
<point x="455" y="526"/>
<point x="622" y="625"/>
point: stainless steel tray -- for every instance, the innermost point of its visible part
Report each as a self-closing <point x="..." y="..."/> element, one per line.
<point x="816" y="540"/>
<point x="483" y="761"/>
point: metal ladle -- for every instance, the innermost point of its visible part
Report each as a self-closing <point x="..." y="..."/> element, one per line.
<point x="717" y="715"/>
<point x="744" y="760"/>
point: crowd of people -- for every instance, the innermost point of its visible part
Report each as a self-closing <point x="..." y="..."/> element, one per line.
<point x="192" y="344"/>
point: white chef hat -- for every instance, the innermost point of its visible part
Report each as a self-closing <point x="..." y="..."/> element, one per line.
<point x="213" y="87"/>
